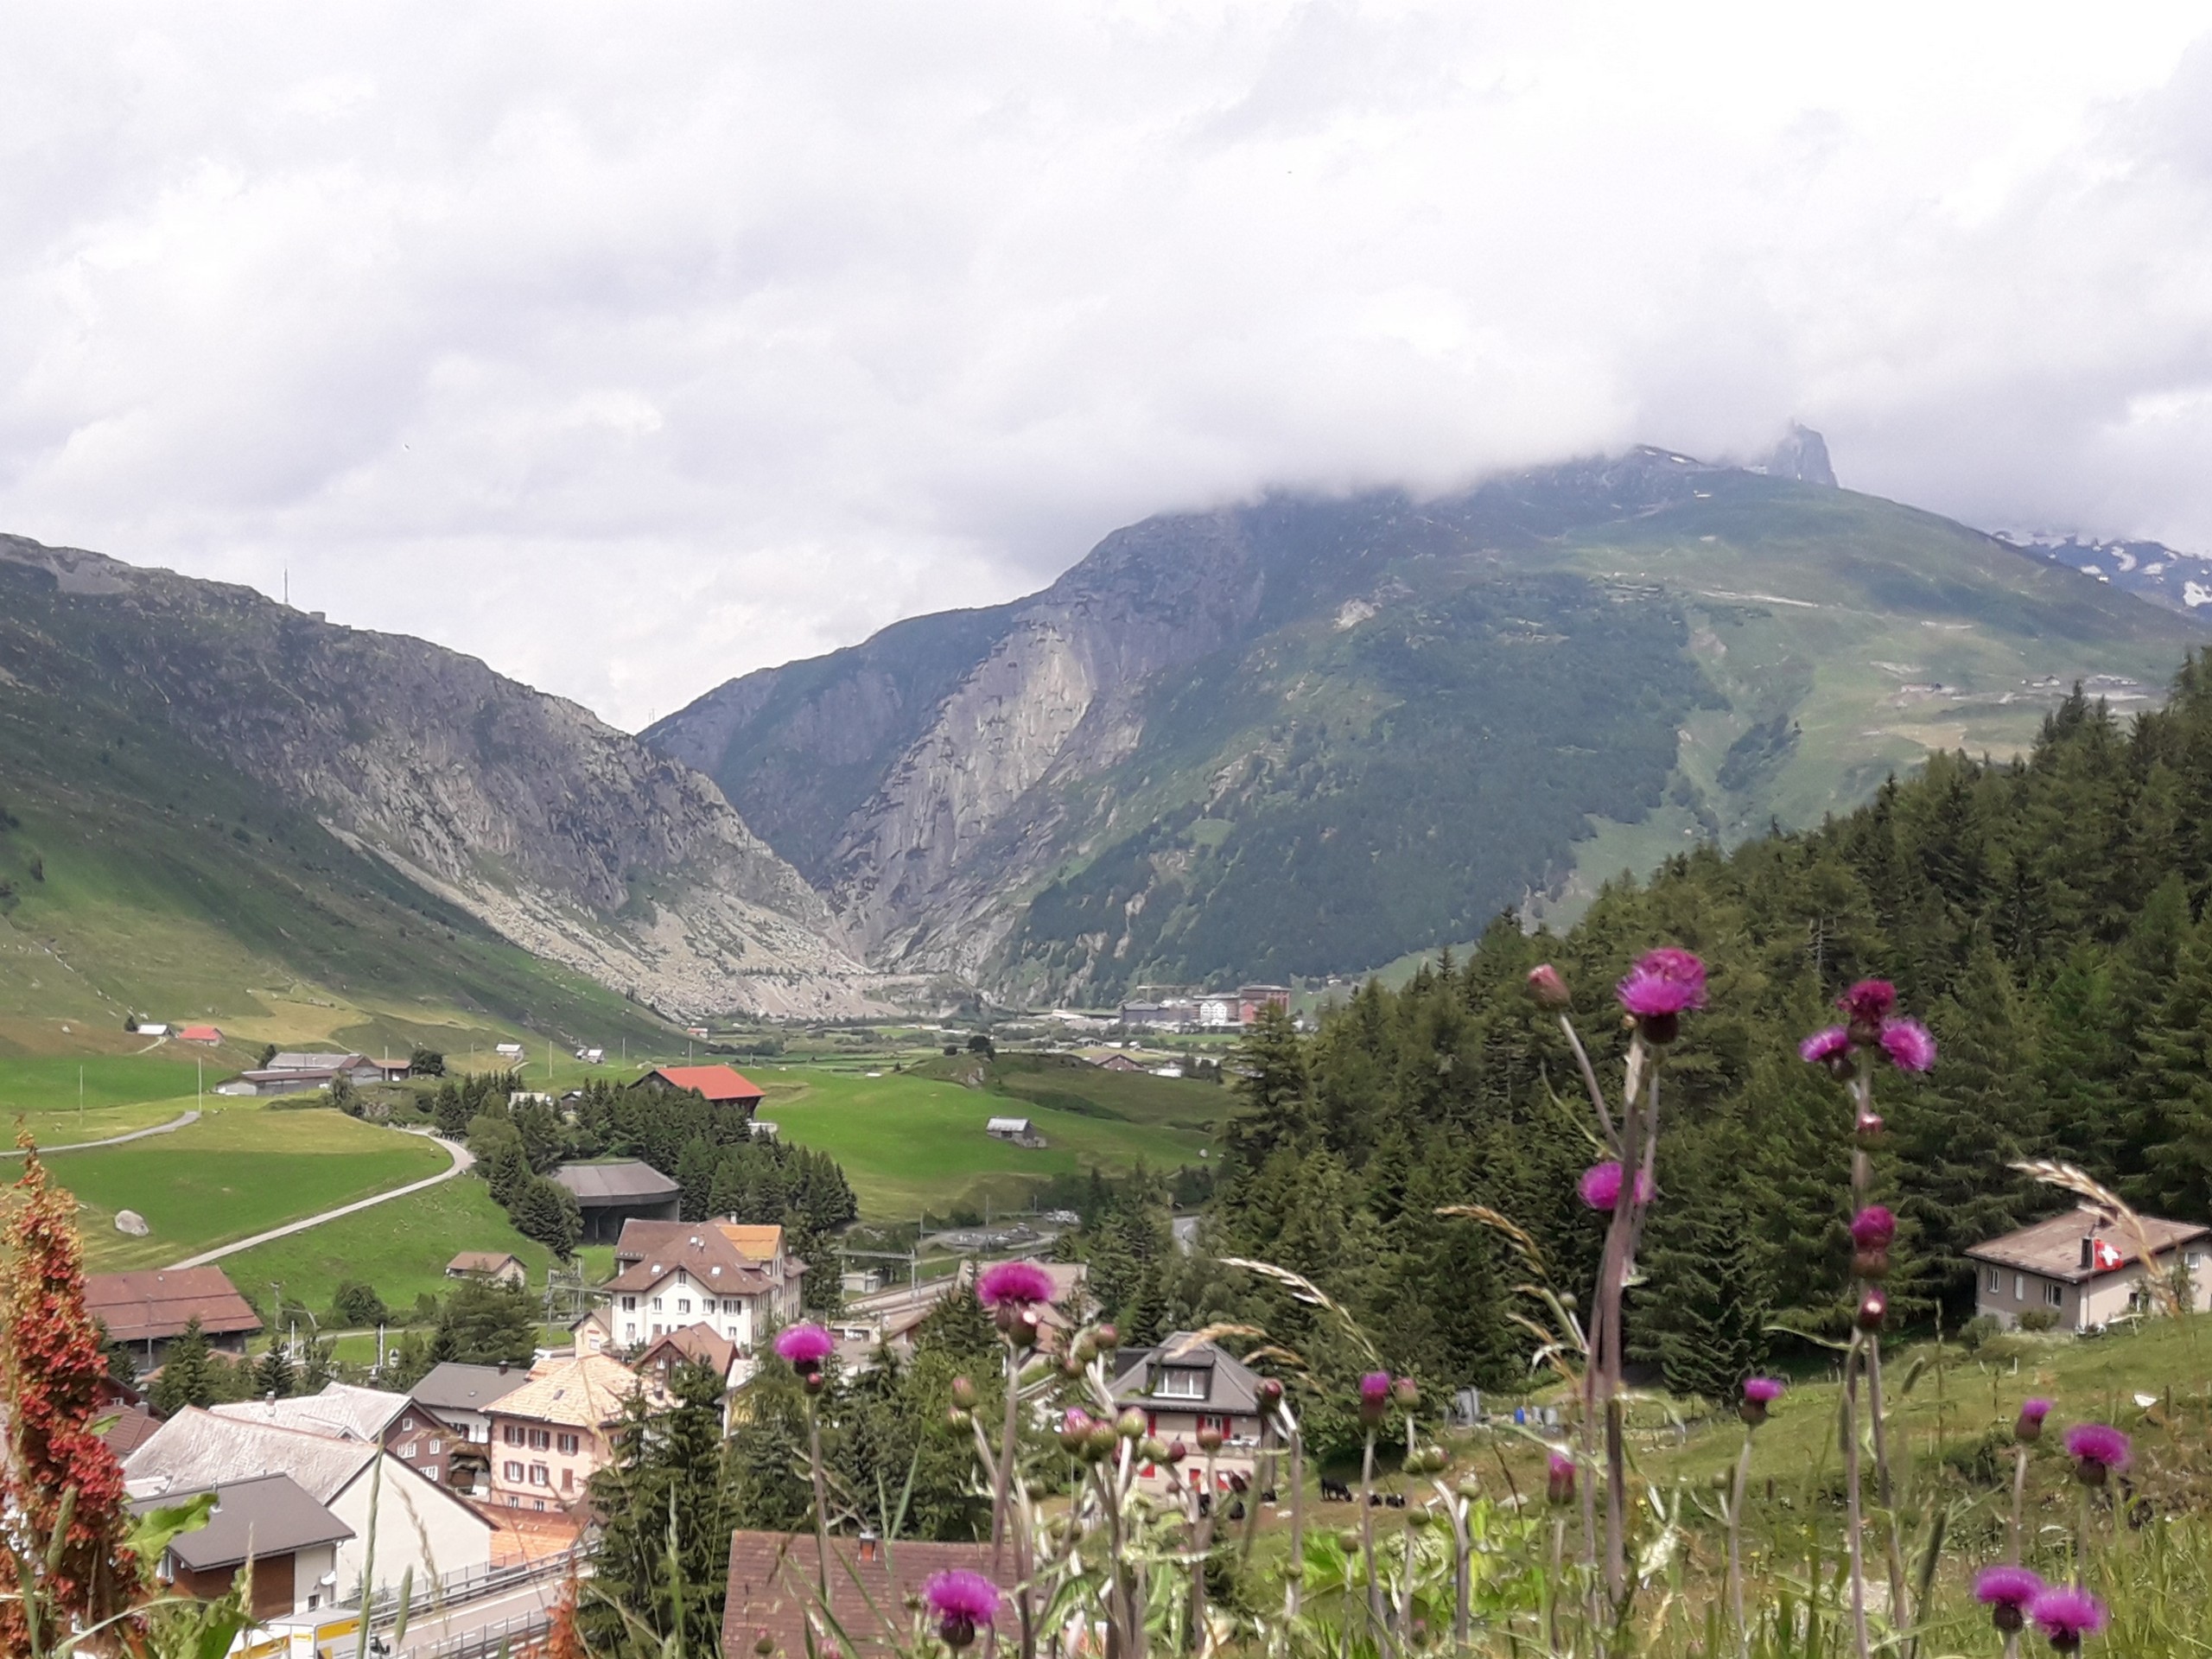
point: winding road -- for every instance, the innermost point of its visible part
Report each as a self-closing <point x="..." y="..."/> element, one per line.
<point x="462" y="1158"/>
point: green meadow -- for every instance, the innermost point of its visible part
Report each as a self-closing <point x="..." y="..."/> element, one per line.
<point x="909" y="1141"/>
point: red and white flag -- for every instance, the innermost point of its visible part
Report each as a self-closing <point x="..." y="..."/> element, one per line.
<point x="2105" y="1254"/>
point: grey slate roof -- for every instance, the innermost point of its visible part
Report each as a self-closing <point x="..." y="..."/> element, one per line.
<point x="620" y="1183"/>
<point x="265" y="1516"/>
<point x="340" y="1409"/>
<point x="195" y="1450"/>
<point x="455" y="1387"/>
<point x="1230" y="1385"/>
<point x="2052" y="1247"/>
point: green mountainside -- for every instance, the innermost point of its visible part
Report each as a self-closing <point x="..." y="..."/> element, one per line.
<point x="1305" y="736"/>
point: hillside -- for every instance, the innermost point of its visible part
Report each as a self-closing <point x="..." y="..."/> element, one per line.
<point x="212" y="798"/>
<point x="1305" y="736"/>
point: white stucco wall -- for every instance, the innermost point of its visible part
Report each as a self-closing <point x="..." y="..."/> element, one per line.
<point x="410" y="1514"/>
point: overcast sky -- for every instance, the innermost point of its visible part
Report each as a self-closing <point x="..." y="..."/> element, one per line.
<point x="633" y="347"/>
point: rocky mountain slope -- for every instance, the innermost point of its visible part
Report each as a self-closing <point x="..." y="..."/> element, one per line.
<point x="1306" y="735"/>
<point x="557" y="833"/>
<point x="2164" y="575"/>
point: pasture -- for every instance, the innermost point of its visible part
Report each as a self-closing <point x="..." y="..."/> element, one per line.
<point x="231" y="1175"/>
<point x="909" y="1142"/>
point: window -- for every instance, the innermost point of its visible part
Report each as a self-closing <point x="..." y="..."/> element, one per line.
<point x="684" y="1303"/>
<point x="540" y="1475"/>
<point x="511" y="1470"/>
<point x="540" y="1439"/>
<point x="513" y="1501"/>
<point x="541" y="1502"/>
<point x="512" y="1434"/>
<point x="629" y="1333"/>
<point x="656" y="1304"/>
<point x="408" y="1451"/>
<point x="569" y="1445"/>
<point x="1993" y="1285"/>
<point x="429" y="1472"/>
<point x="406" y="1424"/>
<point x="629" y="1303"/>
<point x="1180" y="1382"/>
<point x="2019" y="1287"/>
<point x="315" y="1599"/>
<point x="2055" y="1295"/>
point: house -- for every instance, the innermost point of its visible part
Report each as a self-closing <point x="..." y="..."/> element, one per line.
<point x="2087" y="1268"/>
<point x="291" y="1539"/>
<point x="498" y="1264"/>
<point x="145" y="1312"/>
<point x="212" y="1036"/>
<point x="1116" y="1062"/>
<point x="1019" y="1130"/>
<point x="511" y="1052"/>
<point x="696" y="1344"/>
<point x="722" y="1085"/>
<point x="1185" y="1385"/>
<point x="554" y="1433"/>
<point x="341" y="1412"/>
<point x="1251" y="999"/>
<point x="153" y="1029"/>
<point x="774" y="1595"/>
<point x="417" y="1525"/>
<point x="610" y="1194"/>
<point x="591" y="1056"/>
<point x="295" y="1072"/>
<point x="1219" y="1013"/>
<point x="739" y="1279"/>
<point x="461" y="1397"/>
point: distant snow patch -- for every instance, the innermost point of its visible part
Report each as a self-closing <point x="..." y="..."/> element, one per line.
<point x="1352" y="613"/>
<point x="2196" y="594"/>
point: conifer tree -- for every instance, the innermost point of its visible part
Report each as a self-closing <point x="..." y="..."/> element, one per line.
<point x="273" y="1377"/>
<point x="1703" y="1313"/>
<point x="668" y="1508"/>
<point x="186" y="1377"/>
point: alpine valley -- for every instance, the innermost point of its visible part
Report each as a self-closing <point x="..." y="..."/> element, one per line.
<point x="1302" y="736"/>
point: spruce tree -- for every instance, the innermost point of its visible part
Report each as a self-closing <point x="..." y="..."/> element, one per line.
<point x="273" y="1375"/>
<point x="1702" y="1315"/>
<point x="667" y="1507"/>
<point x="185" y="1378"/>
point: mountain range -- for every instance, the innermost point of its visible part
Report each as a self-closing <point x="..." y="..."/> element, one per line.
<point x="1301" y="735"/>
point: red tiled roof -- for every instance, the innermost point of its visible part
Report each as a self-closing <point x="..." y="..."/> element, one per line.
<point x="774" y="1589"/>
<point x="153" y="1304"/>
<point x="200" y="1035"/>
<point x="716" y="1082"/>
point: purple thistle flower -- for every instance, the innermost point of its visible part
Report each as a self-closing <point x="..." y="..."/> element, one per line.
<point x="805" y="1346"/>
<point x="1868" y="1003"/>
<point x="1666" y="982"/>
<point x="1829" y="1048"/>
<point x="961" y="1601"/>
<point x="2006" y="1592"/>
<point x="2066" y="1616"/>
<point x="1375" y="1388"/>
<point x="2096" y="1448"/>
<point x="1763" y="1389"/>
<point x="1547" y="987"/>
<point x="1873" y="1228"/>
<point x="1014" y="1284"/>
<point x="1908" y="1045"/>
<point x="2028" y="1426"/>
<point x="1559" y="1480"/>
<point x="1600" y="1186"/>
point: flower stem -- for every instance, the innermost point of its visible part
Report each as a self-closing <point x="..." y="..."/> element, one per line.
<point x="821" y="1498"/>
<point x="1900" y="1611"/>
<point x="2019" y="1501"/>
<point x="1003" y="1475"/>
<point x="1736" y="1547"/>
<point x="1367" y="1540"/>
<point x="1851" y="1521"/>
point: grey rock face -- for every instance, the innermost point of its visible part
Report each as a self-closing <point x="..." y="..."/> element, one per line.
<point x="1804" y="455"/>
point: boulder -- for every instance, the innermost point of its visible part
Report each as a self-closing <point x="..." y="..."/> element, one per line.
<point x="130" y="1222"/>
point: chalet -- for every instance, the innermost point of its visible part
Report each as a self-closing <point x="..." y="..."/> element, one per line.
<point x="209" y="1036"/>
<point x="740" y="1281"/>
<point x="1185" y="1385"/>
<point x="611" y="1194"/>
<point x="721" y="1085"/>
<point x="155" y="1029"/>
<point x="341" y="1412"/>
<point x="554" y="1432"/>
<point x="697" y="1345"/>
<point x="412" y="1523"/>
<point x="774" y="1600"/>
<point x="591" y="1056"/>
<point x="497" y="1265"/>
<point x="145" y="1312"/>
<point x="2088" y="1268"/>
<point x="511" y="1052"/>
<point x="291" y="1539"/>
<point x="1019" y="1130"/>
<point x="460" y="1397"/>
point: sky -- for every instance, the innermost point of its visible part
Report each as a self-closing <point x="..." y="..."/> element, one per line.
<point x="633" y="348"/>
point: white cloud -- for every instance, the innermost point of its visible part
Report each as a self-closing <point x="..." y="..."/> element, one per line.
<point x="631" y="350"/>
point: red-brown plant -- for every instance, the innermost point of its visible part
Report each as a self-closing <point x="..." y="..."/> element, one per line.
<point x="57" y="1476"/>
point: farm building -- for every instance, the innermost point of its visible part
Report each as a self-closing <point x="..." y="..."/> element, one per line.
<point x="610" y="1194"/>
<point x="210" y="1036"/>
<point x="498" y="1265"/>
<point x="300" y="1073"/>
<point x="1251" y="999"/>
<point x="722" y="1085"/>
<point x="1019" y="1130"/>
<point x="2087" y="1268"/>
<point x="147" y="1310"/>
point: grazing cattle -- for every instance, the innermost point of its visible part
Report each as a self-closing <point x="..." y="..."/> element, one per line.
<point x="1395" y="1500"/>
<point x="1335" y="1491"/>
<point x="1236" y="1510"/>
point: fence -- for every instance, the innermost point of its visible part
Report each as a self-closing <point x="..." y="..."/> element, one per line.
<point x="473" y="1584"/>
<point x="510" y="1635"/>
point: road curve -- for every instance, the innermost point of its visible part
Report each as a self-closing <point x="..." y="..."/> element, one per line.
<point x="462" y="1158"/>
<point x="169" y="1128"/>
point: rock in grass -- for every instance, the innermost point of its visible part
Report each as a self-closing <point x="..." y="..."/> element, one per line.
<point x="130" y="1222"/>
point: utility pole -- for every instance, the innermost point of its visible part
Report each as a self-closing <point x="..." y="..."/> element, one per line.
<point x="81" y="1100"/>
<point x="199" y="1086"/>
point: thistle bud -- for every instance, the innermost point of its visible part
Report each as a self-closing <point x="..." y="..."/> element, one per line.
<point x="1874" y="1308"/>
<point x="1559" y="1480"/>
<point x="764" y="1644"/>
<point x="1871" y="1265"/>
<point x="1129" y="1424"/>
<point x="1099" y="1444"/>
<point x="1108" y="1339"/>
<point x="958" y="1418"/>
<point x="815" y="1381"/>
<point x="1547" y="987"/>
<point x="1209" y="1440"/>
<point x="964" y="1393"/>
<point x="2028" y="1426"/>
<point x="1869" y="1127"/>
<point x="1085" y="1347"/>
<point x="1407" y="1392"/>
<point x="1469" y="1489"/>
<point x="1152" y="1450"/>
<point x="1177" y="1450"/>
<point x="1022" y="1331"/>
<point x="1075" y="1429"/>
<point x="1348" y="1541"/>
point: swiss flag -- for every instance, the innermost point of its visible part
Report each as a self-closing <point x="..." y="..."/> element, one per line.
<point x="2104" y="1254"/>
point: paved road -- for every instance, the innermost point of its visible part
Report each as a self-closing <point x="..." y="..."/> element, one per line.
<point x="514" y="1610"/>
<point x="169" y="1128"/>
<point x="462" y="1158"/>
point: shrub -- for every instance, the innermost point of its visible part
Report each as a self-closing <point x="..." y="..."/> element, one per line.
<point x="2039" y="1319"/>
<point x="357" y="1306"/>
<point x="1978" y="1331"/>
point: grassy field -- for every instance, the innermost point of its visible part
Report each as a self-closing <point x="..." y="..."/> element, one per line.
<point x="401" y="1248"/>
<point x="230" y="1175"/>
<point x="909" y="1141"/>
